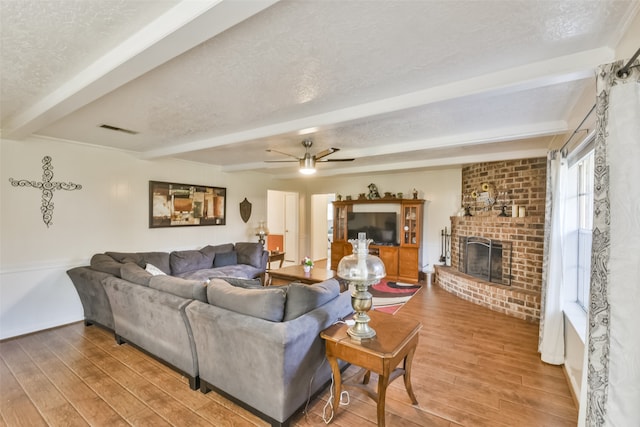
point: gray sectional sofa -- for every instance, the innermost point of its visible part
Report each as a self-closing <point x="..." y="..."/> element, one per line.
<point x="216" y="323"/>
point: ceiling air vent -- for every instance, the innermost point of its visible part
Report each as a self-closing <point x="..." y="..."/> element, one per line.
<point x="117" y="129"/>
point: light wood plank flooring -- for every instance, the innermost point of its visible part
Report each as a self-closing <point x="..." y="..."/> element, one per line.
<point x="472" y="367"/>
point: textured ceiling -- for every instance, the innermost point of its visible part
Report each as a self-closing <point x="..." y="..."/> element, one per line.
<point x="397" y="85"/>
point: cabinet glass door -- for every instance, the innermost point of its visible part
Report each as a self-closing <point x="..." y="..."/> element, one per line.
<point x="410" y="227"/>
<point x="340" y="223"/>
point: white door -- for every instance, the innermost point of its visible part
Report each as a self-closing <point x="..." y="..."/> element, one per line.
<point x="321" y="214"/>
<point x="291" y="227"/>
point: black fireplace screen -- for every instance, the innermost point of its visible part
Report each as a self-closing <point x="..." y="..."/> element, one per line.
<point x="485" y="259"/>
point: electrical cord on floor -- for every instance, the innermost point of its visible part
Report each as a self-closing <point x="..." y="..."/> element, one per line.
<point x="329" y="403"/>
<point x="344" y="394"/>
<point x="306" y="406"/>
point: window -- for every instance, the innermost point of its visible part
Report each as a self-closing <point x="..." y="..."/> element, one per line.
<point x="585" y="228"/>
<point x="579" y="226"/>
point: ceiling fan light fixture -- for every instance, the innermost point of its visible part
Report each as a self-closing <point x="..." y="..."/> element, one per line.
<point x="307" y="166"/>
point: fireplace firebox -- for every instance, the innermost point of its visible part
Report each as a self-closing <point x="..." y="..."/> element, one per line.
<point x="485" y="259"/>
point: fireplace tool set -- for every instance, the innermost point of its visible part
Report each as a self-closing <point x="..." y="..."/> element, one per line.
<point x="445" y="247"/>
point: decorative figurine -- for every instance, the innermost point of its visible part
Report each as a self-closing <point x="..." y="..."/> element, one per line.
<point x="415" y="193"/>
<point x="373" y="192"/>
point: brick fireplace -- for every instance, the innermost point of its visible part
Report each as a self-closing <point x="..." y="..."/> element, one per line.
<point x="525" y="180"/>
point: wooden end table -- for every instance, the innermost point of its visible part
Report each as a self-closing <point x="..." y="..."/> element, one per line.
<point x="295" y="273"/>
<point x="395" y="341"/>
<point x="275" y="256"/>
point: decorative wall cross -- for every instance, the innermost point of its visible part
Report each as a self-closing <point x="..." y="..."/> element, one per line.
<point x="47" y="188"/>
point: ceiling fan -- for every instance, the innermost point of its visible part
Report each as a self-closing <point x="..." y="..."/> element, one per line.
<point x="308" y="162"/>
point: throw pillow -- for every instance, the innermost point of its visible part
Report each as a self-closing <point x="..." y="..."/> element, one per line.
<point x="303" y="298"/>
<point x="153" y="270"/>
<point x="225" y="258"/>
<point x="264" y="303"/>
<point x="249" y="253"/>
<point x="241" y="282"/>
<point x="136" y="274"/>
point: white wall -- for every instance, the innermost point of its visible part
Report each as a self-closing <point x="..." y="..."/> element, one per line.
<point x="110" y="212"/>
<point x="441" y="188"/>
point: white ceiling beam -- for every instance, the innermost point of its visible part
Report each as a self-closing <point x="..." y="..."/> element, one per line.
<point x="440" y="162"/>
<point x="513" y="133"/>
<point x="539" y="74"/>
<point x="181" y="28"/>
<point x="490" y="136"/>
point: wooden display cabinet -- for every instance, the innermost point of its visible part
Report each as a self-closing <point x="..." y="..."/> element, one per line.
<point x="411" y="240"/>
<point x="401" y="262"/>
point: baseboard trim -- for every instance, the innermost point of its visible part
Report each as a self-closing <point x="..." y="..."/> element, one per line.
<point x="572" y="389"/>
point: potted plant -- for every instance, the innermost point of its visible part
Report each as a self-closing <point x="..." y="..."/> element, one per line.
<point x="307" y="264"/>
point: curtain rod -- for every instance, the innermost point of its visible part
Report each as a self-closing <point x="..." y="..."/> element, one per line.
<point x="623" y="72"/>
<point x="578" y="128"/>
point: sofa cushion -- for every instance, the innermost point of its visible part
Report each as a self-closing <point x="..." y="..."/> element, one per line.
<point x="225" y="258"/>
<point x="190" y="289"/>
<point x="124" y="257"/>
<point x="105" y="264"/>
<point x="159" y="259"/>
<point x="243" y="283"/>
<point x="184" y="261"/>
<point x="303" y="298"/>
<point x="235" y="270"/>
<point x="264" y="303"/>
<point x="213" y="250"/>
<point x="136" y="274"/>
<point x="249" y="253"/>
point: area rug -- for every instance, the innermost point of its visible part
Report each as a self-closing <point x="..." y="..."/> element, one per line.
<point x="389" y="296"/>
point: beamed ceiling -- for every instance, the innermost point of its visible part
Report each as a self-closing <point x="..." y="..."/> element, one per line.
<point x="397" y="85"/>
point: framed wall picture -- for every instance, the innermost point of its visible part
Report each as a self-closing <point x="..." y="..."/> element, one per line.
<point x="177" y="205"/>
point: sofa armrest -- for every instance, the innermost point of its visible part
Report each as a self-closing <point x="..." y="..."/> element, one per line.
<point x="264" y="260"/>
<point x="267" y="365"/>
<point x="95" y="303"/>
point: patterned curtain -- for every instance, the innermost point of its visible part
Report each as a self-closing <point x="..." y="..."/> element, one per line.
<point x="551" y="337"/>
<point x="612" y="386"/>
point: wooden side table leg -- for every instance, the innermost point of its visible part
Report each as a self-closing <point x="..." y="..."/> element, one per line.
<point x="367" y="376"/>
<point x="337" y="383"/>
<point x="407" y="375"/>
<point x="383" y="382"/>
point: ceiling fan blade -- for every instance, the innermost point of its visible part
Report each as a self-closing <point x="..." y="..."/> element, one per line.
<point x="281" y="161"/>
<point x="326" y="152"/>
<point x="280" y="152"/>
<point x="337" y="160"/>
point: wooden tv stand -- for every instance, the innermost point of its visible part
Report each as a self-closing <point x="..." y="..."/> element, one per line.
<point x="402" y="262"/>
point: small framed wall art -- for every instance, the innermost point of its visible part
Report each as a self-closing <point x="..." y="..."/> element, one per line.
<point x="177" y="205"/>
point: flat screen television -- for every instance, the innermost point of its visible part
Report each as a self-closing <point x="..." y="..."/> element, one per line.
<point x="381" y="227"/>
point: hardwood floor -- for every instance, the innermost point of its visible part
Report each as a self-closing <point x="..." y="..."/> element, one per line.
<point x="472" y="367"/>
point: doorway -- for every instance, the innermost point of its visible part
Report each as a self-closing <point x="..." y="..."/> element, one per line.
<point x="282" y="221"/>
<point x="321" y="226"/>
